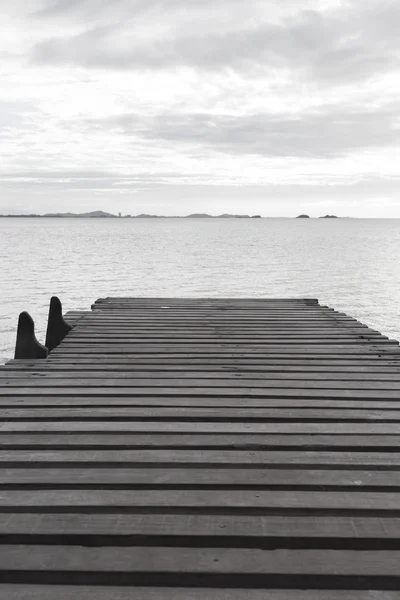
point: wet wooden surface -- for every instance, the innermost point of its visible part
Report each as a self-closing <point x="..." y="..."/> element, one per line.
<point x="240" y="449"/>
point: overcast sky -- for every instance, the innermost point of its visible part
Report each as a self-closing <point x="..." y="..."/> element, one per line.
<point x="273" y="107"/>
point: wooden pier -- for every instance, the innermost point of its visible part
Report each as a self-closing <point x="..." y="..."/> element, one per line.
<point x="181" y="449"/>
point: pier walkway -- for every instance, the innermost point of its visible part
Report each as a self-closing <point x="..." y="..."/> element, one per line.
<point x="198" y="449"/>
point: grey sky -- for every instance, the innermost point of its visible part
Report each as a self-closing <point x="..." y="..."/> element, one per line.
<point x="177" y="106"/>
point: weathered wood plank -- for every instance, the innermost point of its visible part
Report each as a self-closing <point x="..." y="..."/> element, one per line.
<point x="231" y="326"/>
<point x="236" y="383"/>
<point x="213" y="371"/>
<point x="195" y="300"/>
<point x="263" y="340"/>
<point x="371" y="569"/>
<point x="23" y="402"/>
<point x="245" y="531"/>
<point x="223" y="349"/>
<point x="352" y="328"/>
<point x="65" y="592"/>
<point x="371" y="428"/>
<point x="223" y="314"/>
<point x="102" y="440"/>
<point x="314" y="530"/>
<point x="226" y="319"/>
<point x="378" y="504"/>
<point x="120" y="331"/>
<point x="238" y="458"/>
<point x="103" y="340"/>
<point x="234" y="375"/>
<point x="201" y="392"/>
<point x="223" y="359"/>
<point x="167" y="478"/>
<point x="189" y="413"/>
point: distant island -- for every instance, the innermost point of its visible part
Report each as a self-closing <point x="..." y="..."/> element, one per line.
<point x="99" y="214"/>
<point x="325" y="217"/>
<point x="96" y="214"/>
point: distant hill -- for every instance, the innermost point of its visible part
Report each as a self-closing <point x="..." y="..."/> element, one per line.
<point x="303" y="217"/>
<point x="228" y="216"/>
<point x="199" y="216"/>
<point x="329" y="217"/>
<point x="94" y="214"/>
<point x="144" y="216"/>
<point x="224" y="216"/>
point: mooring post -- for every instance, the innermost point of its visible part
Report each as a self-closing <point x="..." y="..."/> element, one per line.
<point x="27" y="345"/>
<point x="57" y="327"/>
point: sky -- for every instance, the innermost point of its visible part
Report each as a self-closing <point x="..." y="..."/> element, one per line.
<point x="271" y="107"/>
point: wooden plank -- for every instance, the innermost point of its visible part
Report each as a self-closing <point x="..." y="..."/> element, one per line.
<point x="204" y="299"/>
<point x="371" y="428"/>
<point x="224" y="349"/>
<point x="233" y="358"/>
<point x="246" y="531"/>
<point x="223" y="314"/>
<point x="261" y="340"/>
<point x="120" y="308"/>
<point x="215" y="324"/>
<point x="190" y="413"/>
<point x="371" y="569"/>
<point x="236" y="383"/>
<point x="184" y="329"/>
<point x="214" y="307"/>
<point x="65" y="592"/>
<point x="238" y="458"/>
<point x="234" y="375"/>
<point x="226" y="319"/>
<point x="201" y="392"/>
<point x="202" y="478"/>
<point x="253" y="502"/>
<point x="213" y="371"/>
<point x="212" y="361"/>
<point x="218" y="344"/>
<point x="96" y="326"/>
<point x="205" y="332"/>
<point x="115" y="339"/>
<point x="166" y="309"/>
<point x="207" y="304"/>
<point x="215" y="312"/>
<point x="102" y="440"/>
<point x="29" y="402"/>
<point x="213" y="301"/>
<point x="357" y="332"/>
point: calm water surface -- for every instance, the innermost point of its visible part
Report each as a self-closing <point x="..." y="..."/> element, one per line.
<point x="352" y="265"/>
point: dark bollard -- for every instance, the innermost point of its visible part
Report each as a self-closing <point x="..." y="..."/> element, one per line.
<point x="27" y="345"/>
<point x="57" y="327"/>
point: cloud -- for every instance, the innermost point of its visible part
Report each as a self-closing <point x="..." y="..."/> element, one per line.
<point x="340" y="44"/>
<point x="327" y="133"/>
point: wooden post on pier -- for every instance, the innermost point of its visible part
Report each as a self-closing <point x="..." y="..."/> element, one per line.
<point x="27" y="346"/>
<point x="57" y="327"/>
